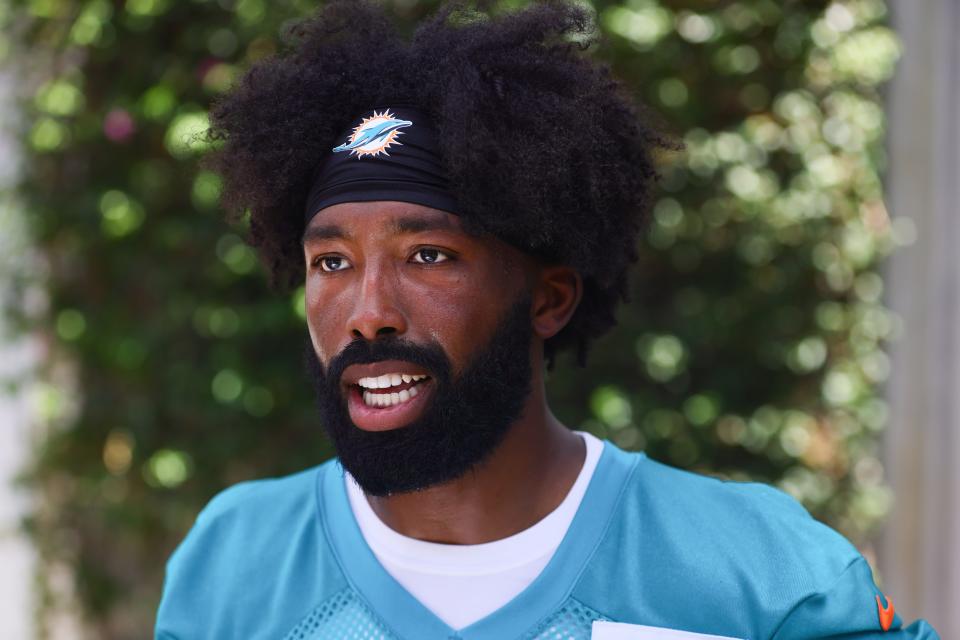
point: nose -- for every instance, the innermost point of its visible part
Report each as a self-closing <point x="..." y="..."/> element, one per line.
<point x="376" y="311"/>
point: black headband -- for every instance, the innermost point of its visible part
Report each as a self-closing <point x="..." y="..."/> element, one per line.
<point x="389" y="153"/>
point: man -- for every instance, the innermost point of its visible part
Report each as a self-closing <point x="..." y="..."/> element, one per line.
<point x="470" y="205"/>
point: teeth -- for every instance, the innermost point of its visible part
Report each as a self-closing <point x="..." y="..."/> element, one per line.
<point x="389" y="399"/>
<point x="388" y="380"/>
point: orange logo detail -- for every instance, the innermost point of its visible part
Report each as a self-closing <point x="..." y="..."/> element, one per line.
<point x="886" y="613"/>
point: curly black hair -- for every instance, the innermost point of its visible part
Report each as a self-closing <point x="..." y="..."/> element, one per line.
<point x="544" y="149"/>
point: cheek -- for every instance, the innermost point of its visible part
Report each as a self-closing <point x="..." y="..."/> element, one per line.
<point x="458" y="318"/>
<point x="445" y="322"/>
<point x="322" y="316"/>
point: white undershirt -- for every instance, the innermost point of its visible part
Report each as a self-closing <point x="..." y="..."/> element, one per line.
<point x="461" y="584"/>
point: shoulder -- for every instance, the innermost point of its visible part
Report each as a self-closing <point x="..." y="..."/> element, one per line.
<point x="748" y="519"/>
<point x="676" y="495"/>
<point x="253" y="499"/>
<point x="252" y="541"/>
<point x="252" y="515"/>
<point x="678" y="537"/>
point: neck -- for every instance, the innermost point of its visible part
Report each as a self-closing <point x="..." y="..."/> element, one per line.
<point x="525" y="479"/>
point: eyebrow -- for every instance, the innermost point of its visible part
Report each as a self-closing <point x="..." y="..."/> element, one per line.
<point x="324" y="232"/>
<point x="399" y="226"/>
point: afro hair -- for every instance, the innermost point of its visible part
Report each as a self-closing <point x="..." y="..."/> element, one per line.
<point x="544" y="149"/>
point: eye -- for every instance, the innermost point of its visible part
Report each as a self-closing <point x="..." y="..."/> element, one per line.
<point x="429" y="255"/>
<point x="331" y="263"/>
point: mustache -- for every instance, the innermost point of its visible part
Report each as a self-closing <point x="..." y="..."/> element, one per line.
<point x="431" y="356"/>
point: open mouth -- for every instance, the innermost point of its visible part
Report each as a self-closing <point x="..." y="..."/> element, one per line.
<point x="390" y="389"/>
<point x="388" y="401"/>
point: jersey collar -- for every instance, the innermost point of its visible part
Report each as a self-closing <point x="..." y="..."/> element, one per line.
<point x="408" y="618"/>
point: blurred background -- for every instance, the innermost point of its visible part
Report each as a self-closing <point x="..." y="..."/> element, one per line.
<point x="795" y="317"/>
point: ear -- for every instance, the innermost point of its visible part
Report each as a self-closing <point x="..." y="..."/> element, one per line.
<point x="557" y="292"/>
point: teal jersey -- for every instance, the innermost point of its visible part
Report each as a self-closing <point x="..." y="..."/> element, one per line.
<point x="650" y="547"/>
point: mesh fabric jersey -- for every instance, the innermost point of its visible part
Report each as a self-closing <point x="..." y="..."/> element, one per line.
<point x="650" y="545"/>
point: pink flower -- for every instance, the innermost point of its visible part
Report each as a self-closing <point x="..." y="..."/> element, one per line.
<point x="118" y="126"/>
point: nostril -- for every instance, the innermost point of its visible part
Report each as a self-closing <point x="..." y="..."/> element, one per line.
<point x="359" y="332"/>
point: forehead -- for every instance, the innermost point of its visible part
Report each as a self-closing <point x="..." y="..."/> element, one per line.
<point x="349" y="220"/>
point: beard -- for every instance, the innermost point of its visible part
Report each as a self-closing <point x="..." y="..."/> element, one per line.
<point x="463" y="424"/>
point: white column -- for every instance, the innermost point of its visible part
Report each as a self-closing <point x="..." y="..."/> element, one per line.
<point x="920" y="551"/>
<point x="17" y="556"/>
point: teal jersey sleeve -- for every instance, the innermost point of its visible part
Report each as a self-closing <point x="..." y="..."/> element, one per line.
<point x="851" y="608"/>
<point x="690" y="553"/>
<point x="254" y="562"/>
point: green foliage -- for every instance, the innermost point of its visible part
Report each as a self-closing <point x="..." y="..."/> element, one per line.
<point x="751" y="349"/>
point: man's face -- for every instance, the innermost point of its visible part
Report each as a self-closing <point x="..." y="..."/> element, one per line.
<point x="420" y="341"/>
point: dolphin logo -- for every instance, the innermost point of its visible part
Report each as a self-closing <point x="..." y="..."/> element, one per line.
<point x="374" y="135"/>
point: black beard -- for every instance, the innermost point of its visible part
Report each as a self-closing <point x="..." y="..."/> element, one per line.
<point x="464" y="422"/>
